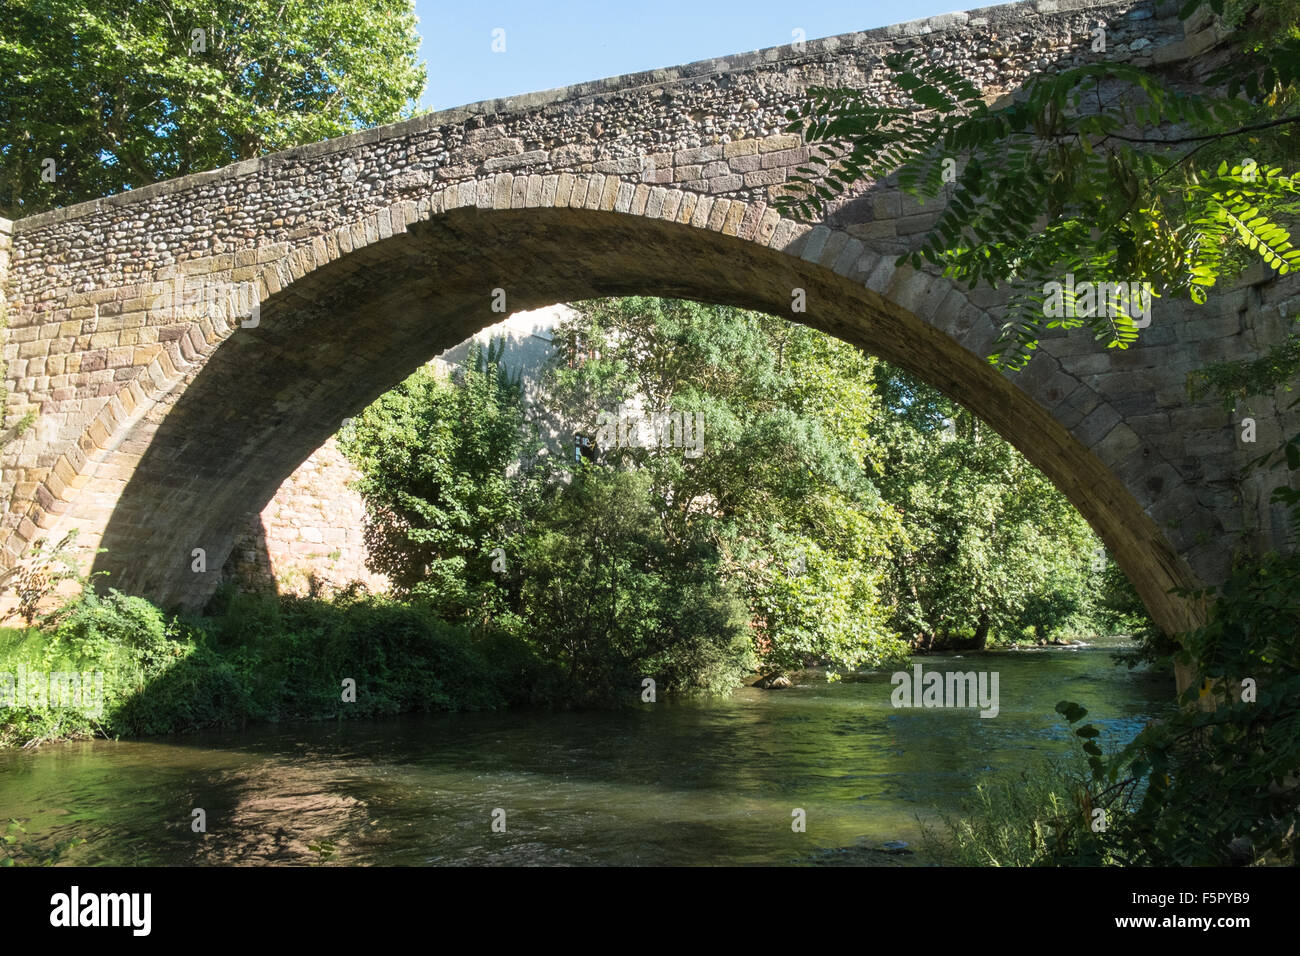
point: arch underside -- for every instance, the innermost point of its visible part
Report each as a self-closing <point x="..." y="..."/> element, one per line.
<point x="336" y="339"/>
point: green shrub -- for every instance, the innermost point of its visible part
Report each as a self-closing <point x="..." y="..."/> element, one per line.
<point x="611" y="600"/>
<point x="260" y="658"/>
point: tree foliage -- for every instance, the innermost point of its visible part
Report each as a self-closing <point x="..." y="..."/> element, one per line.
<point x="434" y="457"/>
<point x="123" y="93"/>
<point x="836" y="499"/>
<point x="824" y="516"/>
<point x="1105" y="172"/>
<point x="782" y="487"/>
<point x="991" y="546"/>
<point x="611" y="599"/>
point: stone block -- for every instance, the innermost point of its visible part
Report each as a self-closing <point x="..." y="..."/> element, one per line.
<point x="785" y="157"/>
<point x="640" y="196"/>
<point x="718" y="214"/>
<point x="701" y="154"/>
<point x="779" y="142"/>
<point x="740" y="147"/>
<point x="764" y="177"/>
<point x="725" y="184"/>
<point x="735" y="215"/>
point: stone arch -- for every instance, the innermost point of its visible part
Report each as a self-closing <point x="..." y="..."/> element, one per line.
<point x="206" y="432"/>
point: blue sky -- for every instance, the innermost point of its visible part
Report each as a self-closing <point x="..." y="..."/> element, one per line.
<point x="550" y="43"/>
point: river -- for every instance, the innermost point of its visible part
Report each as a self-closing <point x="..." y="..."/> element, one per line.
<point x="687" y="783"/>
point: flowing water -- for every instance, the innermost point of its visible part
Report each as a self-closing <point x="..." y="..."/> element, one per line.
<point x="712" y="782"/>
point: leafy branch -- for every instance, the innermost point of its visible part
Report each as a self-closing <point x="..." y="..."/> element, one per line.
<point x="1068" y="179"/>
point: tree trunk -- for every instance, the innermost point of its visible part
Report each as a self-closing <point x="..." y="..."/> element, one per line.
<point x="982" y="631"/>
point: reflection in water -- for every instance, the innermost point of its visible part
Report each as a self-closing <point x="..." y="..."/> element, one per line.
<point x="710" y="782"/>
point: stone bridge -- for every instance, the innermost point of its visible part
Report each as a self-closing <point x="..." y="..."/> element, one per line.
<point x="185" y="346"/>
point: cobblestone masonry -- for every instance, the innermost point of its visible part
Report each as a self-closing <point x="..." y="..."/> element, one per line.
<point x="164" y="424"/>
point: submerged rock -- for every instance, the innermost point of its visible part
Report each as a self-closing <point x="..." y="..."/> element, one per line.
<point x="895" y="846"/>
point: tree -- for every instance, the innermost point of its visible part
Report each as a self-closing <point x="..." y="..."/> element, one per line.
<point x="782" y="485"/>
<point x="434" y="457"/>
<point x="117" y="94"/>
<point x="991" y="546"/>
<point x="837" y="502"/>
<point x="610" y="598"/>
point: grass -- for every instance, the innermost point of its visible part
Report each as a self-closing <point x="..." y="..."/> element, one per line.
<point x="1012" y="819"/>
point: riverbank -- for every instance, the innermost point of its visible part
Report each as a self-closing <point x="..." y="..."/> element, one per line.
<point x="114" y="666"/>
